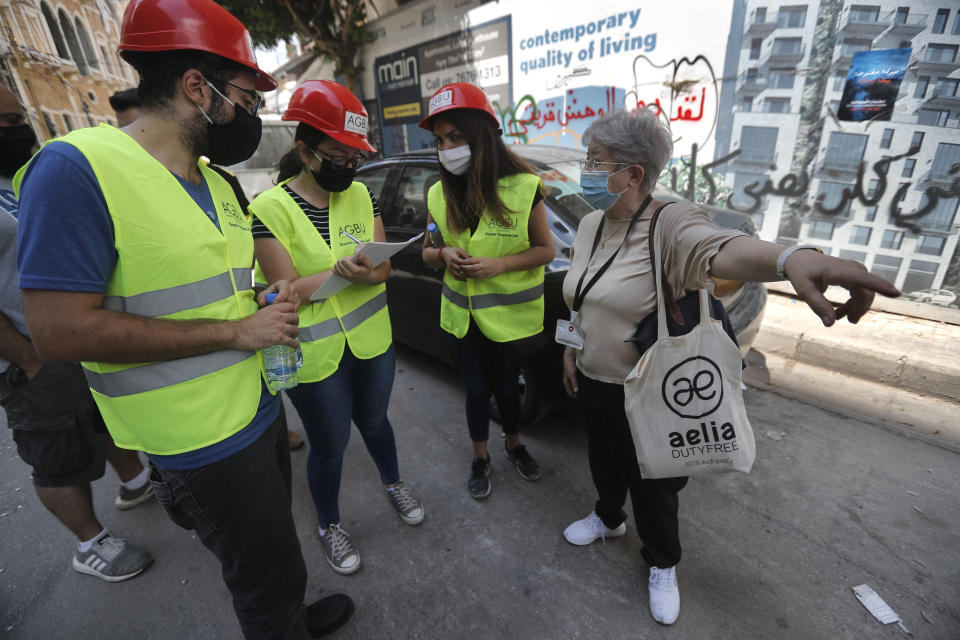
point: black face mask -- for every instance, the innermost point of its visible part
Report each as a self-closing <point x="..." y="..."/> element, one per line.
<point x="333" y="179"/>
<point x="16" y="147"/>
<point x="235" y="141"/>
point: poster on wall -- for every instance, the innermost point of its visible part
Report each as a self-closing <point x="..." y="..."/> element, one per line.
<point x="873" y="83"/>
<point x="406" y="79"/>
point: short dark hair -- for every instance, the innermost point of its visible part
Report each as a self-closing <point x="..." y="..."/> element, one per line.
<point x="160" y="71"/>
<point x="291" y="164"/>
<point x="126" y="99"/>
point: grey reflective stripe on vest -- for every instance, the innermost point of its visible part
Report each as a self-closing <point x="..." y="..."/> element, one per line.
<point x="488" y="300"/>
<point x="243" y="278"/>
<point x="158" y="375"/>
<point x="352" y="320"/>
<point x="455" y="297"/>
<point x="164" y="302"/>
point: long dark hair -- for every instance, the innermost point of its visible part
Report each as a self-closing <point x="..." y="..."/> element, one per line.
<point x="291" y="164"/>
<point x="469" y="195"/>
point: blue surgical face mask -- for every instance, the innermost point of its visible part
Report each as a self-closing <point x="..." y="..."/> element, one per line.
<point x="596" y="191"/>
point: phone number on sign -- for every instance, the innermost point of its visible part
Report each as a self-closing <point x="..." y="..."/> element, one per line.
<point x="483" y="73"/>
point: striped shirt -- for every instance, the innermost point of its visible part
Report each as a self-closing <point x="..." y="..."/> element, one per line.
<point x="320" y="217"/>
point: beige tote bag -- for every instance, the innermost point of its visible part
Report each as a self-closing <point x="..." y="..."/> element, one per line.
<point x="683" y="399"/>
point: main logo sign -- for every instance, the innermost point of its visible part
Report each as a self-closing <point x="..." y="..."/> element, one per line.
<point x="693" y="388"/>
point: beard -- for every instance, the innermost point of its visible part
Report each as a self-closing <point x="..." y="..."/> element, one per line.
<point x="193" y="129"/>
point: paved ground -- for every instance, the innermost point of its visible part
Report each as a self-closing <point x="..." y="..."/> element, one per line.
<point x="831" y="503"/>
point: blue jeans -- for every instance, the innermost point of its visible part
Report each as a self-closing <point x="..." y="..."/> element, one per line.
<point x="484" y="368"/>
<point x="240" y="509"/>
<point x="359" y="389"/>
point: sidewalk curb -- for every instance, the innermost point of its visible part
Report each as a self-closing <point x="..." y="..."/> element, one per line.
<point x="889" y="349"/>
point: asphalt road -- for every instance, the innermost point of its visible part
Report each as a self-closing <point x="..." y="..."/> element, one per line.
<point x="833" y="503"/>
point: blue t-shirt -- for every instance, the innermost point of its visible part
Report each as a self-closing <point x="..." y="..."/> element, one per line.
<point x="66" y="243"/>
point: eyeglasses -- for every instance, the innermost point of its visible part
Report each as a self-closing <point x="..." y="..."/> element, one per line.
<point x="590" y="164"/>
<point x="255" y="98"/>
<point x="341" y="162"/>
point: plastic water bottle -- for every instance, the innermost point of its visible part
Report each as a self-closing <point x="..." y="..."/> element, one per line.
<point x="281" y="362"/>
<point x="435" y="236"/>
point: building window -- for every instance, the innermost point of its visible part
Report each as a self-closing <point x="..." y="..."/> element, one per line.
<point x="792" y="17"/>
<point x="908" y="166"/>
<point x="51" y="126"/>
<point x="845" y="151"/>
<point x="871" y="213"/>
<point x="956" y="25"/>
<point x="864" y="13"/>
<point x="902" y="13"/>
<point x="891" y="240"/>
<point x="88" y="53"/>
<point x="942" y="216"/>
<point x="917" y="140"/>
<point x="920" y="91"/>
<point x="930" y="245"/>
<point x="787" y="46"/>
<point x="755" y="46"/>
<point x="747" y="104"/>
<point x="933" y="117"/>
<point x="758" y="144"/>
<point x="776" y="105"/>
<point x="751" y="77"/>
<point x="941" y="52"/>
<point x="782" y="78"/>
<point x="76" y="50"/>
<point x="920" y="275"/>
<point x="860" y="235"/>
<point x="887" y="267"/>
<point x="820" y="229"/>
<point x="108" y="67"/>
<point x="946" y="87"/>
<point x="839" y="78"/>
<point x="55" y="31"/>
<point x="760" y="15"/>
<point x="859" y="256"/>
<point x="946" y="162"/>
<point x="743" y="180"/>
<point x="886" y="139"/>
<point x="872" y="188"/>
<point x="830" y="195"/>
<point x="940" y="21"/>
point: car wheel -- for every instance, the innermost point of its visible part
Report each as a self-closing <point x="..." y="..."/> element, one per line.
<point x="927" y="299"/>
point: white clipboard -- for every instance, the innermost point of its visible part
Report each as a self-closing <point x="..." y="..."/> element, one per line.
<point x="376" y="251"/>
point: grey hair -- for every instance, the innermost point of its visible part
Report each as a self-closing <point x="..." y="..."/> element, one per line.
<point x="639" y="138"/>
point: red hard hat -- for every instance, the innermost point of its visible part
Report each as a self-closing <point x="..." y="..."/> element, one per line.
<point x="458" y="95"/>
<point x="200" y="25"/>
<point x="330" y="107"/>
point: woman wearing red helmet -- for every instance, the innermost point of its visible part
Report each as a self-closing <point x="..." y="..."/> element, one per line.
<point x="489" y="211"/>
<point x="305" y="229"/>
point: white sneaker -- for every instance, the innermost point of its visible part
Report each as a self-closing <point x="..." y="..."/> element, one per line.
<point x="664" y="595"/>
<point x="590" y="528"/>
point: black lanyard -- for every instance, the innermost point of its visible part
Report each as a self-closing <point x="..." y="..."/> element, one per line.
<point x="579" y="295"/>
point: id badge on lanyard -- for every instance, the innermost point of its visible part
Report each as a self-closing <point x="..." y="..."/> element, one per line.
<point x="568" y="332"/>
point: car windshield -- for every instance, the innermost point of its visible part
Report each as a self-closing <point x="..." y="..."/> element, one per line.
<point x="275" y="141"/>
<point x="561" y="187"/>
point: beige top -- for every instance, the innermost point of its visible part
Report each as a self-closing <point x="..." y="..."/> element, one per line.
<point x="627" y="293"/>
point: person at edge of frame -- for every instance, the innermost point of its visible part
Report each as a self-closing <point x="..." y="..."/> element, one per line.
<point x="55" y="423"/>
<point x="136" y="259"/>
<point x="489" y="210"/>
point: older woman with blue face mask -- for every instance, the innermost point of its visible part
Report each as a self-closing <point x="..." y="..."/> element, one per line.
<point x="625" y="154"/>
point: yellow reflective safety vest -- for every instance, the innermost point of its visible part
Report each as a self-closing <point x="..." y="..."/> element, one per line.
<point x="173" y="263"/>
<point x="508" y="306"/>
<point x="357" y="315"/>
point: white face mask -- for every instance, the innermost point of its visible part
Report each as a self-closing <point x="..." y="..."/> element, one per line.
<point x="456" y="160"/>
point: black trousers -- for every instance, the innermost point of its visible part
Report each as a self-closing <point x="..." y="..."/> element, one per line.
<point x="240" y="509"/>
<point x="613" y="465"/>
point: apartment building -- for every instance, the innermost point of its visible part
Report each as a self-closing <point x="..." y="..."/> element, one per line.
<point x="794" y="58"/>
<point x="59" y="58"/>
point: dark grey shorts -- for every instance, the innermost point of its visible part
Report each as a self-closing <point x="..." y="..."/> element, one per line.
<point x="55" y="423"/>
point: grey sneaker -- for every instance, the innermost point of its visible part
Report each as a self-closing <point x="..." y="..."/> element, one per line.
<point x="129" y="498"/>
<point x="112" y="559"/>
<point x="409" y="510"/>
<point x="478" y="484"/>
<point x="339" y="551"/>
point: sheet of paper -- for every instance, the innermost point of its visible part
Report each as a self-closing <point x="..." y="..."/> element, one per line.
<point x="376" y="251"/>
<point x="875" y="604"/>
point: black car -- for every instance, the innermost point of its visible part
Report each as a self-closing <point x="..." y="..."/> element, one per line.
<point x="400" y="184"/>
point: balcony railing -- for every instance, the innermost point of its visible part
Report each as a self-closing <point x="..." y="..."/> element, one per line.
<point x="943" y="97"/>
<point x="751" y="86"/>
<point x="784" y="56"/>
<point x="761" y="24"/>
<point x="909" y="25"/>
<point x="933" y="61"/>
<point x="864" y="23"/>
